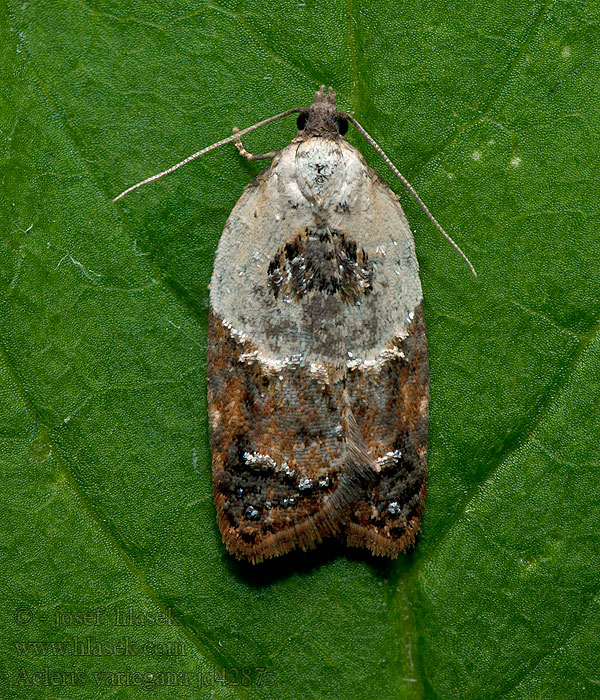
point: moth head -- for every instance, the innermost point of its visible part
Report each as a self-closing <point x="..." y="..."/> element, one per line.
<point x="323" y="117"/>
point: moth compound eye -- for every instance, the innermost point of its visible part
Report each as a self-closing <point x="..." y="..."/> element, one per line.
<point x="301" y="121"/>
<point x="342" y="125"/>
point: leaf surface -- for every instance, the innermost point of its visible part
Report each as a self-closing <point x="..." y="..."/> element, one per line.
<point x="492" y="112"/>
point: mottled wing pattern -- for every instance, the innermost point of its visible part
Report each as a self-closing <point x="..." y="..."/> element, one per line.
<point x="317" y="370"/>
<point x="391" y="410"/>
<point x="278" y="449"/>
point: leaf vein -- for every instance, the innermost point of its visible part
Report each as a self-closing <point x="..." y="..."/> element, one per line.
<point x="529" y="427"/>
<point x="131" y="564"/>
<point x="494" y="95"/>
<point x="259" y="39"/>
<point x="554" y="647"/>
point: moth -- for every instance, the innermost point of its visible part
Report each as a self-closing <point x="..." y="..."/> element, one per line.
<point x="317" y="368"/>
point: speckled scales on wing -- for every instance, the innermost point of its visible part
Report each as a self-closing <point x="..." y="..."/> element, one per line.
<point x="277" y="442"/>
<point x="391" y="405"/>
<point x="317" y="360"/>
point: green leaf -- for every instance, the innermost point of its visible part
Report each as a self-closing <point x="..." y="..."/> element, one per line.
<point x="492" y="111"/>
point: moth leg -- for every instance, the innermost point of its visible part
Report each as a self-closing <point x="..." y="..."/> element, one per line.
<point x="251" y="156"/>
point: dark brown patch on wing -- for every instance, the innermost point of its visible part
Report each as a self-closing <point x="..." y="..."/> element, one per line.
<point x="391" y="411"/>
<point x="278" y="448"/>
<point x="321" y="260"/>
<point x="301" y="455"/>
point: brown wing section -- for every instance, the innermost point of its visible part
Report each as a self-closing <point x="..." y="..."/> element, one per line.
<point x="278" y="449"/>
<point x="391" y="408"/>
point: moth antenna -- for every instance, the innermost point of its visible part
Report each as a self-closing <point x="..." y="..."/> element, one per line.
<point x="229" y="139"/>
<point x="407" y="184"/>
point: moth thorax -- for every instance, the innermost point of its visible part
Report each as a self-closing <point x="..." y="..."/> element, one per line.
<point x="319" y="169"/>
